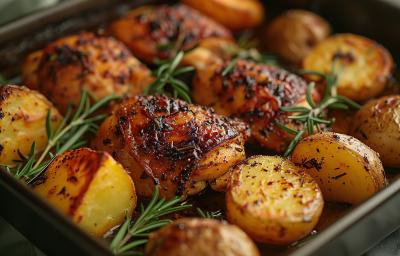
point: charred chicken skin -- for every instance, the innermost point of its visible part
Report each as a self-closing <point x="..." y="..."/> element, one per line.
<point x="165" y="141"/>
<point x="158" y="32"/>
<point x="100" y="65"/>
<point x="254" y="93"/>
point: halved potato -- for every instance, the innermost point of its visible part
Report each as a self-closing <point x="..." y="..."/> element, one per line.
<point x="200" y="237"/>
<point x="377" y="124"/>
<point x="295" y="33"/>
<point x="272" y="200"/>
<point x="90" y="187"/>
<point x="234" y="14"/>
<point x="23" y="115"/>
<point x="346" y="170"/>
<point x="362" y="65"/>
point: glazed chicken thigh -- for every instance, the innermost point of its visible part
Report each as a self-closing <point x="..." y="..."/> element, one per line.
<point x="100" y="65"/>
<point x="252" y="92"/>
<point x="159" y="32"/>
<point x="166" y="141"/>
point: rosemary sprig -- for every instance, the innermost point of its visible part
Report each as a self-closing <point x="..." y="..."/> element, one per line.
<point x="209" y="214"/>
<point x="67" y="136"/>
<point x="166" y="75"/>
<point x="314" y="117"/>
<point x="134" y="233"/>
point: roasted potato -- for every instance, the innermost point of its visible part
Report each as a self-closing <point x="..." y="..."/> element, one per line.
<point x="101" y="65"/>
<point x="377" y="124"/>
<point x="234" y="14"/>
<point x="23" y="115"/>
<point x="169" y="142"/>
<point x="346" y="170"/>
<point x="89" y="187"/>
<point x="158" y="32"/>
<point x="200" y="237"/>
<point x="363" y="66"/>
<point x="272" y="200"/>
<point x="295" y="33"/>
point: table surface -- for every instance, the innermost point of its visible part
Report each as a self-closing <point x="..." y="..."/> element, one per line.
<point x="12" y="243"/>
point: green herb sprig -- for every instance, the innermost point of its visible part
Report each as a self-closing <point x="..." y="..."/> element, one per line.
<point x="315" y="116"/>
<point x="167" y="75"/>
<point x="209" y="214"/>
<point x="67" y="136"/>
<point x="134" y="233"/>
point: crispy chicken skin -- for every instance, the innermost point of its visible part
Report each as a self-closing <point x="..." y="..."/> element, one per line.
<point x="101" y="65"/>
<point x="158" y="32"/>
<point x="254" y="93"/>
<point x="165" y="141"/>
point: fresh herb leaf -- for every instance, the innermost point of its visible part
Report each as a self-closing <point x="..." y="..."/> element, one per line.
<point x="209" y="214"/>
<point x="315" y="116"/>
<point x="167" y="77"/>
<point x="134" y="233"/>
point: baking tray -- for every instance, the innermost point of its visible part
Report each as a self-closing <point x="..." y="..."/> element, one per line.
<point x="353" y="234"/>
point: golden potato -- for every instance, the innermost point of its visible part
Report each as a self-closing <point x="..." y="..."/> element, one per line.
<point x="362" y="65"/>
<point x="89" y="187"/>
<point x="200" y="237"/>
<point x="272" y="200"/>
<point x="234" y="14"/>
<point x="23" y="115"/>
<point x="158" y="32"/>
<point x="166" y="141"/>
<point x="346" y="170"/>
<point x="377" y="124"/>
<point x="101" y="65"/>
<point x="220" y="183"/>
<point x="295" y="33"/>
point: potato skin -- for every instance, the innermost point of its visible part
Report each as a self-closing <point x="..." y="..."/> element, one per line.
<point x="89" y="187"/>
<point x="145" y="30"/>
<point x="377" y="124"/>
<point x="295" y="33"/>
<point x="200" y="237"/>
<point x="23" y="115"/>
<point x="165" y="141"/>
<point x="101" y="65"/>
<point x="346" y="170"/>
<point x="272" y="200"/>
<point x="364" y="67"/>
<point x="234" y="14"/>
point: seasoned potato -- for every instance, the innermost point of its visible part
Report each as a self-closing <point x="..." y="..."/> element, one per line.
<point x="23" y="115"/>
<point x="200" y="237"/>
<point x="90" y="187"/>
<point x="101" y="65"/>
<point x="272" y="200"/>
<point x="234" y="14"/>
<point x="220" y="183"/>
<point x="157" y="32"/>
<point x="166" y="141"/>
<point x="295" y="33"/>
<point x="363" y="66"/>
<point x="377" y="124"/>
<point x="346" y="170"/>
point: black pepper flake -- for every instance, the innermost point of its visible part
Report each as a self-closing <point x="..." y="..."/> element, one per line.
<point x="339" y="176"/>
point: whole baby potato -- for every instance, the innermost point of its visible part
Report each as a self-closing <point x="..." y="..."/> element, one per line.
<point x="377" y="124"/>
<point x="295" y="33"/>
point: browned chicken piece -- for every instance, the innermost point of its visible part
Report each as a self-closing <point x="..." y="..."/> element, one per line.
<point x="159" y="32"/>
<point x="100" y="65"/>
<point x="165" y="141"/>
<point x="254" y="93"/>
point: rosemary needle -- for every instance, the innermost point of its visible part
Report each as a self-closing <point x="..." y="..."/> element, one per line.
<point x="133" y="233"/>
